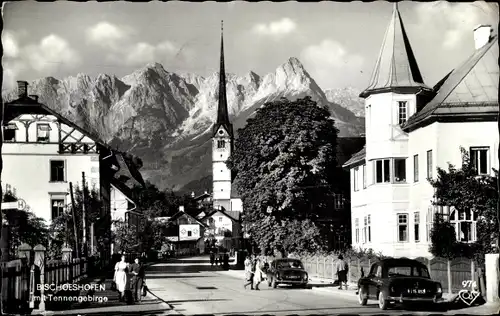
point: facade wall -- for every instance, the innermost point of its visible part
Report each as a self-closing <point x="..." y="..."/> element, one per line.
<point x="220" y="172"/>
<point x="384" y="202"/>
<point x="236" y="205"/>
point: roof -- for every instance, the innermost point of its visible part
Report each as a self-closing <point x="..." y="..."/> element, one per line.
<point x="202" y="196"/>
<point x="347" y="147"/>
<point x="356" y="159"/>
<point x="181" y="213"/>
<point x="125" y="173"/>
<point x="396" y="66"/>
<point x="471" y="88"/>
<point x="27" y="105"/>
<point x="399" y="261"/>
<point x="233" y="215"/>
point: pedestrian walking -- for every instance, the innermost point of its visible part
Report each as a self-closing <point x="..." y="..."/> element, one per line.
<point x="137" y="283"/>
<point x="212" y="258"/>
<point x="249" y="272"/>
<point x="121" y="277"/>
<point x="342" y="270"/>
<point x="259" y="275"/>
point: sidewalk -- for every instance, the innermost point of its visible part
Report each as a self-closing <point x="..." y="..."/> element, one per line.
<point x="107" y="303"/>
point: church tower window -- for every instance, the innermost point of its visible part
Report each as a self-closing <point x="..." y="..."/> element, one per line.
<point x="402" y="112"/>
<point x="221" y="144"/>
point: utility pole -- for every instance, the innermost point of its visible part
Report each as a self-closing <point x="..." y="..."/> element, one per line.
<point x="73" y="206"/>
<point x="84" y="216"/>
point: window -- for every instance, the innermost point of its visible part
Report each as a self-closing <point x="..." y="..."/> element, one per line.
<point x="402" y="112"/>
<point x="364" y="176"/>
<point x="399" y="170"/>
<point x="402" y="227"/>
<point x="417" y="226"/>
<point x="42" y="132"/>
<point x="479" y="159"/>
<point x="382" y="171"/>
<point x="57" y="205"/>
<point x="355" y="179"/>
<point x="9" y="132"/>
<point x="221" y="144"/>
<point x="338" y="201"/>
<point x="369" y="229"/>
<point x="365" y="226"/>
<point x="189" y="233"/>
<point x="356" y="225"/>
<point x="465" y="223"/>
<point x="429" y="164"/>
<point x="57" y="171"/>
<point x="220" y="219"/>
<point x="415" y="168"/>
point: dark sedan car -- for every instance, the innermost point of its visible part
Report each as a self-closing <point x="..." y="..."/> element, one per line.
<point x="287" y="271"/>
<point x="398" y="281"/>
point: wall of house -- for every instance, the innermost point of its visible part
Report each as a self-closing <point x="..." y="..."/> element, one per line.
<point x="221" y="221"/>
<point x="236" y="205"/>
<point x="119" y="204"/>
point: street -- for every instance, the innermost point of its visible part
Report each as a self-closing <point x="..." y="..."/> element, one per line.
<point x="192" y="287"/>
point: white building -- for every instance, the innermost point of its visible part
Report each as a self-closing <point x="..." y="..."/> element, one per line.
<point x="224" y="193"/>
<point x="43" y="153"/>
<point x="411" y="129"/>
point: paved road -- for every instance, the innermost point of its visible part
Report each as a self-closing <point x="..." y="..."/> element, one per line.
<point x="193" y="287"/>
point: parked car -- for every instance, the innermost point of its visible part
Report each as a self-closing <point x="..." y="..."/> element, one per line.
<point x="398" y="281"/>
<point x="287" y="271"/>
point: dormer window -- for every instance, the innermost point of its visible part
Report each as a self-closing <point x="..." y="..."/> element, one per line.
<point x="402" y="112"/>
<point x="221" y="144"/>
<point x="42" y="132"/>
<point x="9" y="132"/>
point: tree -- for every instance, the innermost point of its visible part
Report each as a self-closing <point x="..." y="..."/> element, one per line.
<point x="443" y="239"/>
<point x="24" y="226"/>
<point x="286" y="171"/>
<point x="62" y="230"/>
<point x="465" y="190"/>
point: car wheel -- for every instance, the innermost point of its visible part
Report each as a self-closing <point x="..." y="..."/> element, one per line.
<point x="382" y="301"/>
<point x="362" y="296"/>
<point x="274" y="284"/>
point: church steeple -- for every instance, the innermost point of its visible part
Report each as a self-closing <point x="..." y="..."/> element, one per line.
<point x="396" y="68"/>
<point x="222" y="112"/>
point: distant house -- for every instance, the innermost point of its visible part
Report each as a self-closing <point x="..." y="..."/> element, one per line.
<point x="43" y="152"/>
<point x="411" y="129"/>
<point x="185" y="233"/>
<point x="225" y="227"/>
<point x="203" y="200"/>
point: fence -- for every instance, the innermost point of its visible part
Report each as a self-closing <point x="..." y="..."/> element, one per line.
<point x="21" y="277"/>
<point x="451" y="273"/>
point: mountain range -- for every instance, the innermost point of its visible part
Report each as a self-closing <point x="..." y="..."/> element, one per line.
<point x="165" y="118"/>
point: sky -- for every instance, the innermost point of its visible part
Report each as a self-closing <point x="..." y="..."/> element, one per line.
<point x="338" y="43"/>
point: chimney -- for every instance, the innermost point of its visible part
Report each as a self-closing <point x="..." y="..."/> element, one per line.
<point x="192" y="194"/>
<point x="206" y="192"/>
<point x="181" y="208"/>
<point x="22" y="89"/>
<point x="482" y="35"/>
<point x="34" y="97"/>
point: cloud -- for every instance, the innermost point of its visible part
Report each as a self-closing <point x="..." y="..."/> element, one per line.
<point x="52" y="52"/>
<point x="328" y="59"/>
<point x="458" y="19"/>
<point x="11" y="72"/>
<point x="106" y="34"/>
<point x="10" y="45"/>
<point x="276" y="28"/>
<point x="120" y="48"/>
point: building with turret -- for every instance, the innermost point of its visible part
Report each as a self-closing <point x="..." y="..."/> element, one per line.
<point x="413" y="128"/>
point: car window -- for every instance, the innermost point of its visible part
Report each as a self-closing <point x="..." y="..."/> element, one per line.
<point x="408" y="271"/>
<point x="289" y="264"/>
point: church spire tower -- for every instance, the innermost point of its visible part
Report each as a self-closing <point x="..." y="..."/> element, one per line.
<point x="222" y="111"/>
<point x="222" y="143"/>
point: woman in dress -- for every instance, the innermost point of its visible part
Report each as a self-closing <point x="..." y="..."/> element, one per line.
<point x="249" y="272"/>
<point x="120" y="277"/>
<point x="259" y="275"/>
